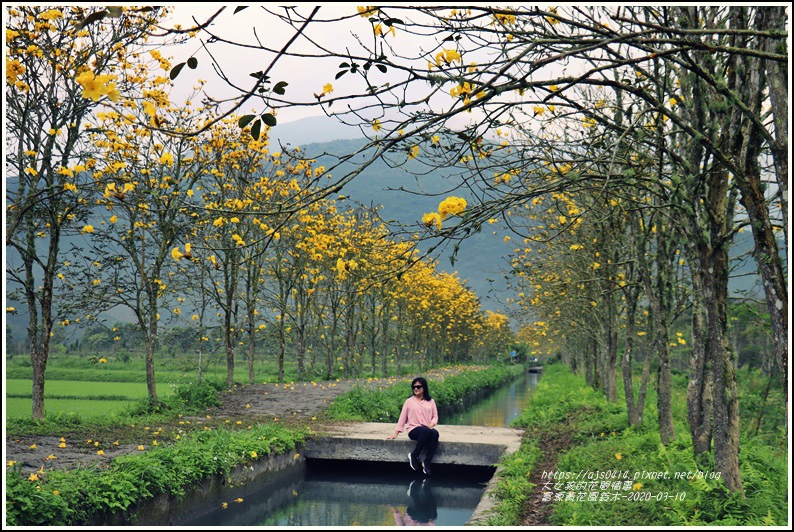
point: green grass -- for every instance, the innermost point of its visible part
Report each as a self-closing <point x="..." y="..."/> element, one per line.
<point x="85" y="408"/>
<point x="75" y="497"/>
<point x="87" y="399"/>
<point x="602" y="441"/>
<point x="21" y="388"/>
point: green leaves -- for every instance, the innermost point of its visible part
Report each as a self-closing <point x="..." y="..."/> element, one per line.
<point x="110" y="11"/>
<point x="279" y="88"/>
<point x="269" y="119"/>
<point x="192" y="63"/>
<point x="255" y="129"/>
<point x="245" y="120"/>
<point x="354" y="67"/>
<point x="256" y="123"/>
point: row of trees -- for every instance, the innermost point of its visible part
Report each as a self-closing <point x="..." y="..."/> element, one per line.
<point x="652" y="133"/>
<point x="655" y="133"/>
<point x="214" y="229"/>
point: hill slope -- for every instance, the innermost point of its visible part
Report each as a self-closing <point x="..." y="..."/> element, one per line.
<point x="480" y="258"/>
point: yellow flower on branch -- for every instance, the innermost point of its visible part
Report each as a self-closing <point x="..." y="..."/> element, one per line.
<point x="447" y="56"/>
<point x="553" y="20"/>
<point x="451" y="206"/>
<point x="432" y="218"/>
<point x="95" y="87"/>
<point x="505" y="19"/>
<point x="51" y="14"/>
<point x="14" y="69"/>
<point x="380" y="32"/>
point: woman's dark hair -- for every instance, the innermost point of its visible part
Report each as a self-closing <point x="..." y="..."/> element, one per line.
<point x="423" y="382"/>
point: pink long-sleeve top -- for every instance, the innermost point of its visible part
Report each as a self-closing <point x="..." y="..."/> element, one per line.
<point x="417" y="413"/>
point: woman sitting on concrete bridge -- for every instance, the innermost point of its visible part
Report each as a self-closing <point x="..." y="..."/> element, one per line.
<point x="418" y="417"/>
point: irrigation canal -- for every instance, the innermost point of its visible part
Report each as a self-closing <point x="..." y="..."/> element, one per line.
<point x="332" y="493"/>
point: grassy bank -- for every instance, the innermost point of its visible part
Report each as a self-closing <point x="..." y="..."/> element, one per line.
<point x="614" y="475"/>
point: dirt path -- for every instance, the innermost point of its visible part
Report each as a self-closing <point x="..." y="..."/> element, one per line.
<point x="301" y="402"/>
<point x="241" y="407"/>
<point x="537" y="510"/>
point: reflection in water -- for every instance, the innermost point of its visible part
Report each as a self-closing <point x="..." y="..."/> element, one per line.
<point x="500" y="408"/>
<point x="356" y="494"/>
<point x="422" y="510"/>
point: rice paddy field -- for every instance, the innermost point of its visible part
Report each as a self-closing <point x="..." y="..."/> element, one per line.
<point x="88" y="399"/>
<point x="78" y="386"/>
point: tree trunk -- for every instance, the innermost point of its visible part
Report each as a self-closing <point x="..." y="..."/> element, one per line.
<point x="700" y="407"/>
<point x="714" y="266"/>
<point x="151" y="344"/>
<point x="281" y="348"/>
<point x="634" y="408"/>
<point x="39" y="333"/>
<point x="611" y="354"/>
<point x="658" y="291"/>
<point x="228" y="344"/>
<point x="251" y="349"/>
<point x="749" y="84"/>
<point x="773" y="18"/>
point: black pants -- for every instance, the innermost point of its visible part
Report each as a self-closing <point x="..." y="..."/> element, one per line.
<point x="427" y="439"/>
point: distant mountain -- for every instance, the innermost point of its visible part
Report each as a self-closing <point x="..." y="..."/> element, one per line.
<point x="480" y="258"/>
<point x="314" y="129"/>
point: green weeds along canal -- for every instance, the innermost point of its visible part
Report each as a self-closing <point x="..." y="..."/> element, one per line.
<point x="562" y="408"/>
<point x="73" y="497"/>
<point x="577" y="492"/>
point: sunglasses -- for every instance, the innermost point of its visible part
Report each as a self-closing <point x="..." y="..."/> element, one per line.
<point x="418" y="386"/>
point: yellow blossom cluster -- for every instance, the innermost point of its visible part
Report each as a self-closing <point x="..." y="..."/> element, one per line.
<point x="95" y="87"/>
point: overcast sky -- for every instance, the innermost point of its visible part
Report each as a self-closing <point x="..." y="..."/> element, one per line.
<point x="305" y="77"/>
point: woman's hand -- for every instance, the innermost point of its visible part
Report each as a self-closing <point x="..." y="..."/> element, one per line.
<point x="393" y="435"/>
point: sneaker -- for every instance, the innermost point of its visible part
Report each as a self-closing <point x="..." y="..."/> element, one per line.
<point x="410" y="487"/>
<point x="426" y="468"/>
<point x="411" y="461"/>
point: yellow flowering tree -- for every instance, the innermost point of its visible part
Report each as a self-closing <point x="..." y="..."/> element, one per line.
<point x="144" y="181"/>
<point x="51" y="53"/>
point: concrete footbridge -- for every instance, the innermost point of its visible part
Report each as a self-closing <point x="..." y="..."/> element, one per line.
<point x="461" y="445"/>
<point x="458" y="445"/>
